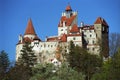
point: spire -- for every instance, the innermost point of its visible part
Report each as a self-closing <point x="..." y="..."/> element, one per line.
<point x="101" y="21"/>
<point x="68" y="8"/>
<point x="30" y="28"/>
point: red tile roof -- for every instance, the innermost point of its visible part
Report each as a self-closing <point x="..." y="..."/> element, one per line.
<point x="36" y="38"/>
<point x="30" y="28"/>
<point x="64" y="38"/>
<point x="27" y="39"/>
<point x="52" y="39"/>
<point x="74" y="28"/>
<point x="87" y="27"/>
<point x="74" y="34"/>
<point x="68" y="8"/>
<point x="101" y="21"/>
<point x="68" y="21"/>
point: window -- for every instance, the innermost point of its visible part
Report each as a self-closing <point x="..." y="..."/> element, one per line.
<point x="93" y="49"/>
<point x="93" y="41"/>
<point x="103" y="28"/>
<point x="90" y="31"/>
<point x="90" y="35"/>
<point x="51" y="45"/>
<point x="48" y="45"/>
<point x="88" y="42"/>
<point x="61" y="29"/>
<point x="74" y="38"/>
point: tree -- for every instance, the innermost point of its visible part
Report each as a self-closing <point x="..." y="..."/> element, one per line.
<point x="115" y="66"/>
<point x="63" y="73"/>
<point x="27" y="57"/>
<point x="114" y="43"/>
<point x="103" y="73"/>
<point x="4" y="63"/>
<point x="18" y="72"/>
<point x="83" y="61"/>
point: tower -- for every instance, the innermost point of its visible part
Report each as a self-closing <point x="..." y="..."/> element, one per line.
<point x="29" y="36"/>
<point x="68" y="19"/>
<point x="102" y="33"/>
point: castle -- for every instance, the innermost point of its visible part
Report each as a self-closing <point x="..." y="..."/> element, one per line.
<point x="87" y="36"/>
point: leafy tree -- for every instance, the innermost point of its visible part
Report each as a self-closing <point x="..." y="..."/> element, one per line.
<point x="83" y="61"/>
<point x="67" y="73"/>
<point x="103" y="73"/>
<point x="42" y="72"/>
<point x="63" y="73"/>
<point x="27" y="57"/>
<point x="114" y="43"/>
<point x="18" y="72"/>
<point x="4" y="63"/>
<point x="115" y="66"/>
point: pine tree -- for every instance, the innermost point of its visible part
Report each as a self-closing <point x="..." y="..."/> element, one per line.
<point x="27" y="57"/>
<point x="4" y="63"/>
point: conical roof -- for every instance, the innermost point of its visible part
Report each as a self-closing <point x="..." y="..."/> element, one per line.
<point x="30" y="29"/>
<point x="68" y="8"/>
<point x="101" y="21"/>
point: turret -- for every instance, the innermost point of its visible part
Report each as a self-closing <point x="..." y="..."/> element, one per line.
<point x="30" y="31"/>
<point x="102" y="33"/>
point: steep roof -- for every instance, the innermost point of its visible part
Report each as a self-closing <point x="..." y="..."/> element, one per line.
<point x="64" y="38"/>
<point x="74" y="29"/>
<point x="68" y="8"/>
<point x="101" y="21"/>
<point x="68" y="21"/>
<point x="30" y="29"/>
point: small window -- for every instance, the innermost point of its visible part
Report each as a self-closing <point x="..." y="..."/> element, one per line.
<point x="90" y="31"/>
<point x="41" y="45"/>
<point x="93" y="41"/>
<point x="61" y="29"/>
<point x="48" y="45"/>
<point x="51" y="45"/>
<point x="88" y="42"/>
<point x="93" y="49"/>
<point x="90" y="35"/>
<point x="74" y="38"/>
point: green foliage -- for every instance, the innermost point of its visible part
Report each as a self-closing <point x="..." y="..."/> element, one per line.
<point x="63" y="73"/>
<point x="110" y="69"/>
<point x="42" y="72"/>
<point x="82" y="61"/>
<point x="115" y="66"/>
<point x="4" y="63"/>
<point x="18" y="72"/>
<point x="27" y="57"/>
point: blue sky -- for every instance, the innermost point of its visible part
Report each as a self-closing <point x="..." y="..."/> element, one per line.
<point x="45" y="15"/>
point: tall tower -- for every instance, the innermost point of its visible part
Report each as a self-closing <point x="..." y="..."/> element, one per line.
<point x="68" y="19"/>
<point x="102" y="33"/>
<point x="29" y="36"/>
